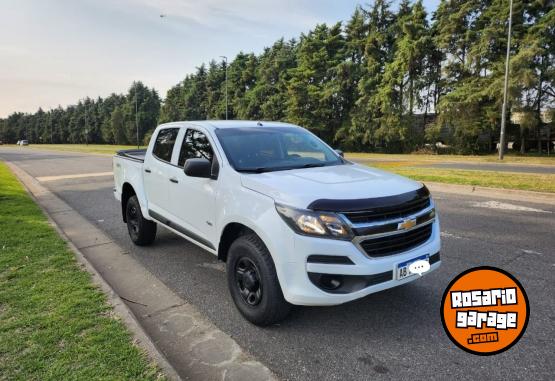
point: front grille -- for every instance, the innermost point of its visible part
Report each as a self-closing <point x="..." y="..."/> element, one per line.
<point x="397" y="243"/>
<point x="388" y="212"/>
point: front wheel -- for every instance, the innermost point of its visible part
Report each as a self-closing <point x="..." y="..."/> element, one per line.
<point x="141" y="230"/>
<point x="253" y="282"/>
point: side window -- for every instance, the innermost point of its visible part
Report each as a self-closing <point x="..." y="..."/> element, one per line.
<point x="165" y="141"/>
<point x="195" y="145"/>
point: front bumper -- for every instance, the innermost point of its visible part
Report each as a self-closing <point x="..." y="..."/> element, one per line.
<point x="295" y="276"/>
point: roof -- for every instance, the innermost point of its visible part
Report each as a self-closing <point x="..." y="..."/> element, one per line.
<point x="216" y="124"/>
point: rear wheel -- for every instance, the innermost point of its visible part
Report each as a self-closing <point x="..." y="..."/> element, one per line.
<point x="141" y="230"/>
<point x="253" y="282"/>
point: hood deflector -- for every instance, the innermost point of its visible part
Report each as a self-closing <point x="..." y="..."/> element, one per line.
<point x="329" y="205"/>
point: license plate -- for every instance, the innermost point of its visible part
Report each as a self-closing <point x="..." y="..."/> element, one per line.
<point x="403" y="268"/>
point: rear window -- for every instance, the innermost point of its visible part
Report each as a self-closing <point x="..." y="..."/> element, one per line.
<point x="163" y="147"/>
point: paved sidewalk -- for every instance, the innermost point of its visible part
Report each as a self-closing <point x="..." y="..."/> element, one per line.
<point x="174" y="333"/>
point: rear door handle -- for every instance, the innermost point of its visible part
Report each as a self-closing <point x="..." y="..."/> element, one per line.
<point x="147" y="170"/>
<point x="174" y="180"/>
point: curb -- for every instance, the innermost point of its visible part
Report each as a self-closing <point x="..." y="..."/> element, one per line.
<point x="171" y="331"/>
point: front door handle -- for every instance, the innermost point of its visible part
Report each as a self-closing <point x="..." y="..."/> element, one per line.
<point x="174" y="180"/>
<point x="147" y="170"/>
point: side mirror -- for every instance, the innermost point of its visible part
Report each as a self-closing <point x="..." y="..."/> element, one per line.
<point x="339" y="152"/>
<point x="198" y="168"/>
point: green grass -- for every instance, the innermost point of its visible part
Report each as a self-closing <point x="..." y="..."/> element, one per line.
<point x="506" y="180"/>
<point x="106" y="149"/>
<point x="54" y="323"/>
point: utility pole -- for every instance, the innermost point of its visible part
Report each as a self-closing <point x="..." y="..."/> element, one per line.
<point x="86" y="125"/>
<point x="136" y="118"/>
<point x="506" y="85"/>
<point x="226" y="104"/>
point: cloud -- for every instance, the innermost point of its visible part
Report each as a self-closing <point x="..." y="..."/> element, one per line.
<point x="238" y="14"/>
<point x="57" y="52"/>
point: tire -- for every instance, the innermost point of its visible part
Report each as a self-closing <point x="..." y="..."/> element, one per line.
<point x="141" y="231"/>
<point x="253" y="282"/>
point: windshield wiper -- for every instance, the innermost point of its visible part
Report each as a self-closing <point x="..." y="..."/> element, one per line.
<point x="255" y="170"/>
<point x="313" y="165"/>
<point x="275" y="169"/>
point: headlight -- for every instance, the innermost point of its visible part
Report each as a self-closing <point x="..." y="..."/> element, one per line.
<point x="318" y="224"/>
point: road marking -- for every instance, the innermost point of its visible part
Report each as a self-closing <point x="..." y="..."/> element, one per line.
<point x="219" y="266"/>
<point x="506" y="206"/>
<point x="531" y="252"/>
<point x="450" y="235"/>
<point x="43" y="179"/>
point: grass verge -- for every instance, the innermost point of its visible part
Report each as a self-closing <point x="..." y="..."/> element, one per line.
<point x="506" y="180"/>
<point x="54" y="323"/>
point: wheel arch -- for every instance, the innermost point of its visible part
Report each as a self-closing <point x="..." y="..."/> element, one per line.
<point x="230" y="233"/>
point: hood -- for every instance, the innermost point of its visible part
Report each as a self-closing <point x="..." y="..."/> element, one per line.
<point x="300" y="187"/>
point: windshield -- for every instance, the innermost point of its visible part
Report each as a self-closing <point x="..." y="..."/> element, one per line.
<point x="264" y="149"/>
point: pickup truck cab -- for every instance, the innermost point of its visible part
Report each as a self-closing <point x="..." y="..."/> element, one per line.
<point x="295" y="222"/>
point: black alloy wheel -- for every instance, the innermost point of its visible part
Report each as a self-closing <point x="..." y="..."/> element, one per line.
<point x="253" y="283"/>
<point x="248" y="280"/>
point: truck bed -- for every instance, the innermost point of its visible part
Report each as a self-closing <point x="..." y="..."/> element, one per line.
<point x="133" y="154"/>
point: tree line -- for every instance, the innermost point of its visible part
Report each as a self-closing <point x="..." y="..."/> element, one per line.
<point x="109" y="120"/>
<point x="386" y="79"/>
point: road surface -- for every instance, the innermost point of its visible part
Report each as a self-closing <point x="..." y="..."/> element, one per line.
<point x="390" y="335"/>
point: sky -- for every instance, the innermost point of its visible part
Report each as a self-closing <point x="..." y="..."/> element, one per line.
<point x="55" y="52"/>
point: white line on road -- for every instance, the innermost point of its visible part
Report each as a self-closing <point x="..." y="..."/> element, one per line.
<point x="506" y="206"/>
<point x="219" y="266"/>
<point x="42" y="179"/>
<point x="445" y="234"/>
<point x="531" y="252"/>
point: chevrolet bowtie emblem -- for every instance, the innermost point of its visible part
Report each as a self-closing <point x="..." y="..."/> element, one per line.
<point x="406" y="224"/>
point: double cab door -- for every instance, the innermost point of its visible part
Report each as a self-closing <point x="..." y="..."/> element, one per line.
<point x="186" y="204"/>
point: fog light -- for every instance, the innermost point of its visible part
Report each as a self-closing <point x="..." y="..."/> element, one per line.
<point x="331" y="282"/>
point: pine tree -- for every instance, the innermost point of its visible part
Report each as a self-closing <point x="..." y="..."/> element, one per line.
<point x="315" y="100"/>
<point x="378" y="50"/>
<point x="465" y="76"/>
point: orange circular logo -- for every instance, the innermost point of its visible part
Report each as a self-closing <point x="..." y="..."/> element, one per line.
<point x="485" y="310"/>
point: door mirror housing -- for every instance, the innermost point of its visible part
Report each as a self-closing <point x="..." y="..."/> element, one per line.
<point x="200" y="167"/>
<point x="339" y="152"/>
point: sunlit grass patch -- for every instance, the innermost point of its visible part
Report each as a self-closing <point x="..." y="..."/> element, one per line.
<point x="54" y="323"/>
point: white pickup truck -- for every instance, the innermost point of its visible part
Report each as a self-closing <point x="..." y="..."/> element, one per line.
<point x="295" y="222"/>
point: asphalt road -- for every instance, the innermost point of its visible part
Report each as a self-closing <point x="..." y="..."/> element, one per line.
<point x="395" y="334"/>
